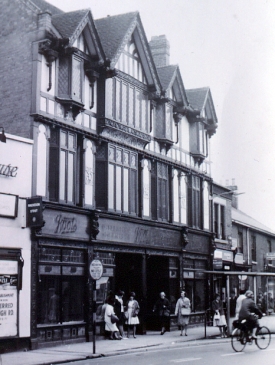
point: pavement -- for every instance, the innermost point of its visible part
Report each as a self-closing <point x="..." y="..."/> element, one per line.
<point x="81" y="351"/>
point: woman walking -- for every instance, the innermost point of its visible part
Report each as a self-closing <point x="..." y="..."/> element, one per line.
<point x="132" y="310"/>
<point x="162" y="309"/>
<point x="183" y="310"/>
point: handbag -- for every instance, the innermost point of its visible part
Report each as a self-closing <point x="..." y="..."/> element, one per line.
<point x="185" y="311"/>
<point x="126" y="315"/>
<point x="114" y="318"/>
<point x="217" y="316"/>
<point x="166" y="312"/>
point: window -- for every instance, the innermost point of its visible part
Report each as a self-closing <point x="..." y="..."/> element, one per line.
<point x="129" y="62"/>
<point x="219" y="221"/>
<point x="240" y="242"/>
<point x="206" y="206"/>
<point x="127" y="104"/>
<point x="63" y="167"/>
<point x="195" y="203"/>
<point x="269" y="246"/>
<point x="61" y="286"/>
<point x="253" y="248"/>
<point x="159" y="191"/>
<point x="117" y="179"/>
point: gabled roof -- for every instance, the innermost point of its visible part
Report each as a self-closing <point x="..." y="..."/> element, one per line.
<point x="44" y="5"/>
<point x="170" y="76"/>
<point x="115" y="31"/>
<point x="71" y="25"/>
<point x="242" y="218"/>
<point x="68" y="23"/>
<point x="201" y="99"/>
<point x="198" y="97"/>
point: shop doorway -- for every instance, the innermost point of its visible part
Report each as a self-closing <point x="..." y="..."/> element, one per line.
<point x="128" y="274"/>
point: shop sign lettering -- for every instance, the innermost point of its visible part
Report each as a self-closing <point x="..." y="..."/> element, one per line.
<point x="65" y="224"/>
<point x="8" y="312"/>
<point x="8" y="170"/>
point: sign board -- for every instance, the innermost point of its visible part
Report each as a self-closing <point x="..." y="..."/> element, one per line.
<point x="217" y="264"/>
<point x="96" y="269"/>
<point x="34" y="212"/>
<point x="8" y="205"/>
<point x="270" y="255"/>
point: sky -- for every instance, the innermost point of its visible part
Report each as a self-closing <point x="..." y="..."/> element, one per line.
<point x="229" y="46"/>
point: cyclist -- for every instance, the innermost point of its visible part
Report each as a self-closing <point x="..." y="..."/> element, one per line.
<point x="250" y="312"/>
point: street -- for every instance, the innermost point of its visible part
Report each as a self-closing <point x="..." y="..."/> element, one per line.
<point x="200" y="354"/>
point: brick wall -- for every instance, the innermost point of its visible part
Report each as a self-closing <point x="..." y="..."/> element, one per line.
<point x="18" y="23"/>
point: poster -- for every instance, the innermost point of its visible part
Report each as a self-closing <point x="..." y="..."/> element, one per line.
<point x="8" y="298"/>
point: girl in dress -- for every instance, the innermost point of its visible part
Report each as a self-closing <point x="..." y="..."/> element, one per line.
<point x="132" y="308"/>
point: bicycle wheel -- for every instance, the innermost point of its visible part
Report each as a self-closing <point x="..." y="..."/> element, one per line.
<point x="263" y="338"/>
<point x="238" y="340"/>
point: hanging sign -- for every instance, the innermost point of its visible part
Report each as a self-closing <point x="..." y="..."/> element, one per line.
<point x="96" y="269"/>
<point x="34" y="212"/>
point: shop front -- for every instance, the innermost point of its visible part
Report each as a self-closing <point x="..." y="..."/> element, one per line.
<point x="60" y="287"/>
<point x="15" y="187"/>
<point x="147" y="259"/>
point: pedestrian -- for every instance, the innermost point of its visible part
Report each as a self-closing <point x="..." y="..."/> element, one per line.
<point x="132" y="311"/>
<point x="119" y="311"/>
<point x="162" y="309"/>
<point x="183" y="310"/>
<point x="239" y="303"/>
<point x="109" y="316"/>
<point x="219" y="317"/>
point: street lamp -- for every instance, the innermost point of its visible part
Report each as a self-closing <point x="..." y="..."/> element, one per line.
<point x="2" y="136"/>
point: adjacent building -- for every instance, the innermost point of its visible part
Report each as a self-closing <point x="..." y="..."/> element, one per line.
<point x="15" y="246"/>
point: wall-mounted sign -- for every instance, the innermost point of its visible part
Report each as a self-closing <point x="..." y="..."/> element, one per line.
<point x="63" y="224"/>
<point x="8" y="205"/>
<point x="34" y="212"/>
<point x="8" y="298"/>
<point x="217" y="264"/>
<point x="270" y="255"/>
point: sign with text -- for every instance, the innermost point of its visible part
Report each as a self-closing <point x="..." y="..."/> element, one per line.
<point x="8" y="312"/>
<point x="34" y="212"/>
<point x="270" y="255"/>
<point x="96" y="269"/>
<point x="67" y="225"/>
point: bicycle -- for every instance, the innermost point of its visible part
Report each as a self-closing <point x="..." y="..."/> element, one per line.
<point x="241" y="335"/>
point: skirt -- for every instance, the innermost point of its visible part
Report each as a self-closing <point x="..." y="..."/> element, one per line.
<point x="220" y="322"/>
<point x="182" y="320"/>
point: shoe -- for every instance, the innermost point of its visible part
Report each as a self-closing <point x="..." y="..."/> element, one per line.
<point x="181" y="334"/>
<point x="186" y="334"/>
<point x="254" y="337"/>
<point x="134" y="336"/>
<point x="162" y="333"/>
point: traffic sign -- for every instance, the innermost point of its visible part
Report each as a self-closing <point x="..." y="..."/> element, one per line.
<point x="96" y="269"/>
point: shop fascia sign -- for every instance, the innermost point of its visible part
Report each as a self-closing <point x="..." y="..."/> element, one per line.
<point x="8" y="170"/>
<point x="223" y="255"/>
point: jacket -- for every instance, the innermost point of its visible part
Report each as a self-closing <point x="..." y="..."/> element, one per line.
<point x="249" y="307"/>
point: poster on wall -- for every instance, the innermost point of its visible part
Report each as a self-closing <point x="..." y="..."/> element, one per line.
<point x="8" y="298"/>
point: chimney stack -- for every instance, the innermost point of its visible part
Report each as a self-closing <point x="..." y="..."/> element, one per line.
<point x="160" y="49"/>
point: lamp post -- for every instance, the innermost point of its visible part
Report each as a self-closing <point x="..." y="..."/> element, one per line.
<point x="2" y="136"/>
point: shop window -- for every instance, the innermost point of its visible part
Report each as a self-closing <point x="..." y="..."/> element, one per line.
<point x="159" y="191"/>
<point x="195" y="284"/>
<point x="61" y="286"/>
